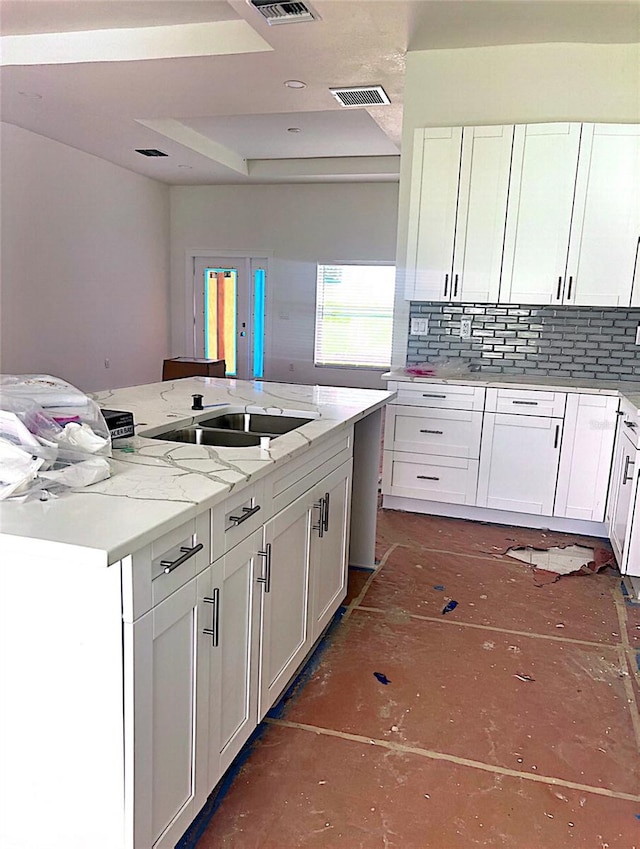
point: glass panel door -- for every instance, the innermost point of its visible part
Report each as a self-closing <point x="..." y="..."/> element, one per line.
<point x="229" y="313"/>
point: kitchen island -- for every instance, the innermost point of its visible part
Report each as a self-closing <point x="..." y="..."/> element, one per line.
<point x="150" y="620"/>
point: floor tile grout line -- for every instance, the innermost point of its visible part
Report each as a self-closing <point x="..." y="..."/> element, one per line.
<point x="553" y="637"/>
<point x="626" y="653"/>
<point x="442" y="756"/>
<point x="481" y="555"/>
<point x="355" y="602"/>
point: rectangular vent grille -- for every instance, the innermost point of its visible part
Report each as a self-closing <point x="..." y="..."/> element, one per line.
<point x="369" y="95"/>
<point x="284" y="13"/>
<point x="151" y="151"/>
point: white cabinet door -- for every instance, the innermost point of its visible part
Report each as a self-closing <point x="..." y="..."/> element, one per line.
<point x="163" y="662"/>
<point x="230" y="639"/>
<point x="432" y="219"/>
<point x="606" y="220"/>
<point x="460" y="182"/>
<point x="541" y="191"/>
<point x="285" y="636"/>
<point x="624" y="484"/>
<point x="586" y="456"/>
<point x="481" y="214"/>
<point x="519" y="463"/>
<point x="330" y="504"/>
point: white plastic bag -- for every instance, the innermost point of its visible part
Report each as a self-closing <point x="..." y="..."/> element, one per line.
<point x="56" y="429"/>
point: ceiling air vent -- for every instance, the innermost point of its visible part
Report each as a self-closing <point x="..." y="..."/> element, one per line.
<point x="151" y="151"/>
<point x="284" y="13"/>
<point x="366" y="95"/>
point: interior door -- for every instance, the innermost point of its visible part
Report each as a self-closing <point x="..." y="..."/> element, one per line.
<point x="229" y="310"/>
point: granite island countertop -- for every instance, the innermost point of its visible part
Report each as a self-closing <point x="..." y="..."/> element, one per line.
<point x="629" y="390"/>
<point x="157" y="484"/>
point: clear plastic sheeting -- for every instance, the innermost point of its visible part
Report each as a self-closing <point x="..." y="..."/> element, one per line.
<point x="53" y="437"/>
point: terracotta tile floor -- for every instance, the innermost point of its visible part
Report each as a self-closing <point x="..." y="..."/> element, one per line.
<point x="456" y="750"/>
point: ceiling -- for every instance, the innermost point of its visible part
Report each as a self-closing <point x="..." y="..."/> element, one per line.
<point x="204" y="80"/>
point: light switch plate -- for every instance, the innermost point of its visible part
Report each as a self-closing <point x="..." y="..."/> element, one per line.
<point x="419" y="326"/>
<point x="465" y="328"/>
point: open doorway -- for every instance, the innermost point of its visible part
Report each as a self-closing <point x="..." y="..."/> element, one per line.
<point x="229" y="313"/>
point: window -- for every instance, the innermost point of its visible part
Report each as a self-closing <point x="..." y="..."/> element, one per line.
<point x="354" y="315"/>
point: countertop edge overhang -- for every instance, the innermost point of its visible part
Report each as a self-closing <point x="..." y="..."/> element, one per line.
<point x="156" y="485"/>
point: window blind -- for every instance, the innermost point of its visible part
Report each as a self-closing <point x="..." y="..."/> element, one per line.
<point x="354" y="315"/>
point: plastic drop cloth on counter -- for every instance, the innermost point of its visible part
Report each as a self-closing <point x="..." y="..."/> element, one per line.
<point x="53" y="437"/>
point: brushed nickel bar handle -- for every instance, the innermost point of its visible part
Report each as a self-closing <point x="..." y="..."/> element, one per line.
<point x="446" y="285"/>
<point x="432" y="395"/>
<point x="214" y="631"/>
<point x="455" y="286"/>
<point x="627" y="462"/>
<point x="559" y="288"/>
<point x="170" y="565"/>
<point x="526" y="403"/>
<point x="427" y="478"/>
<point x="319" y="505"/>
<point x="325" y="518"/>
<point x="424" y="430"/>
<point x="247" y="512"/>
<point x="266" y="580"/>
<point x="557" y="436"/>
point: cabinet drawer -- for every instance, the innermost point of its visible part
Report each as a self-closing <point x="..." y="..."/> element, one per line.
<point x="453" y="480"/>
<point x="526" y="402"/>
<point x="298" y="475"/>
<point x="443" y="395"/>
<point x="237" y="517"/>
<point x="448" y="433"/>
<point x="156" y="571"/>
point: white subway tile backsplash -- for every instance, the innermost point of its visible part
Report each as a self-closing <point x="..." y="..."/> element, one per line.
<point x="522" y="339"/>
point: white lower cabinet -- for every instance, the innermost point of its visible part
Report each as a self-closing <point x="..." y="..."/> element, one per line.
<point x="329" y="547"/>
<point x="585" y="458"/>
<point x="519" y="463"/>
<point x="490" y="453"/>
<point x="162" y="652"/>
<point x="624" y="527"/>
<point x="285" y="638"/>
<point x="305" y="559"/>
<point x="229" y="638"/>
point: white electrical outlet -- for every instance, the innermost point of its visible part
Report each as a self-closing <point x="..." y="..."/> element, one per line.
<point x="638" y="335"/>
<point x="465" y="328"/>
<point x="419" y="326"/>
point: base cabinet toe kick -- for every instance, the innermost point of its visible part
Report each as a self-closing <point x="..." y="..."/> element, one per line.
<point x="568" y="461"/>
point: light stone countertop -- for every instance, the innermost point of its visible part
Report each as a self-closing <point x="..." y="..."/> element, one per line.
<point x="157" y="485"/>
<point x="625" y="389"/>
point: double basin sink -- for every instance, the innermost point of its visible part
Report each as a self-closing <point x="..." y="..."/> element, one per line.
<point x="235" y="430"/>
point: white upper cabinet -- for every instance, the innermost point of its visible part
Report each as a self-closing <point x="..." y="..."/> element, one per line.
<point x="458" y="204"/>
<point x="606" y="220"/>
<point x="543" y="175"/>
<point x="573" y="218"/>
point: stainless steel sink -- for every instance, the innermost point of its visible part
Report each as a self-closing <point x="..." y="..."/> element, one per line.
<point x="209" y="436"/>
<point x="260" y="423"/>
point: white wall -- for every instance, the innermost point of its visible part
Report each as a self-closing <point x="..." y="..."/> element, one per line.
<point x="299" y="226"/>
<point x="512" y="84"/>
<point x="85" y="266"/>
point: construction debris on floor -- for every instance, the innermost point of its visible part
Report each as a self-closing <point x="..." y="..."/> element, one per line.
<point x="511" y="721"/>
